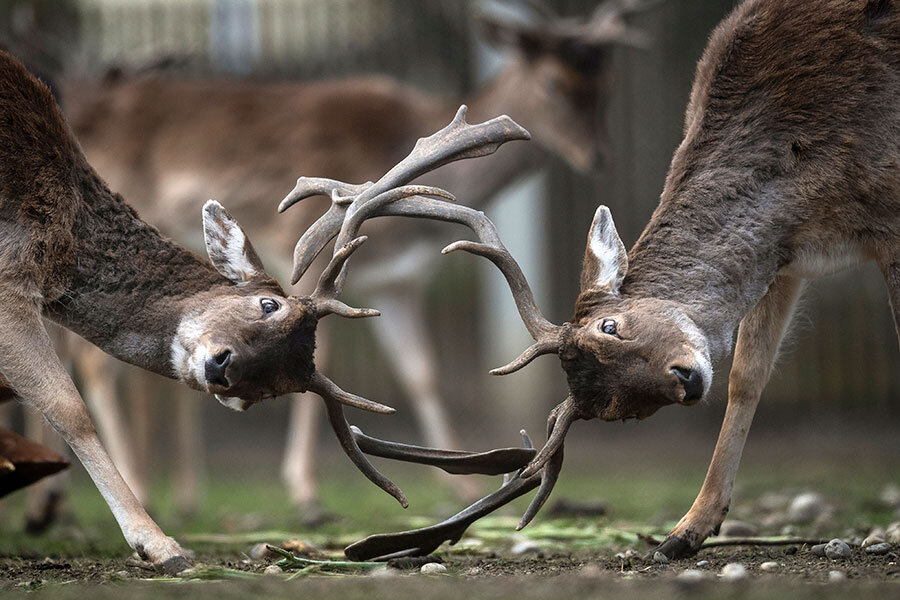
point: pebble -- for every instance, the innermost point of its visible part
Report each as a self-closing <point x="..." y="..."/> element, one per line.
<point x="818" y="549"/>
<point x="659" y="557"/>
<point x="890" y="495"/>
<point x="872" y="540"/>
<point x="591" y="570"/>
<point x="806" y="507"/>
<point x="836" y="576"/>
<point x="272" y="570"/>
<point x="837" y="549"/>
<point x="734" y="528"/>
<point x="734" y="572"/>
<point x="433" y="569"/>
<point x="525" y="547"/>
<point x="690" y="575"/>
<point x="383" y="573"/>
<point x="892" y="533"/>
<point x="473" y="572"/>
<point x="769" y="565"/>
<point x="703" y="563"/>
<point x="633" y="555"/>
<point x="878" y="549"/>
<point x="261" y="552"/>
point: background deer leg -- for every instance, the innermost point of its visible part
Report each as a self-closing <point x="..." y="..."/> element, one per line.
<point x="298" y="466"/>
<point x="97" y="373"/>
<point x="759" y="336"/>
<point x="402" y="335"/>
<point x="890" y="268"/>
<point x="30" y="365"/>
<point x="190" y="458"/>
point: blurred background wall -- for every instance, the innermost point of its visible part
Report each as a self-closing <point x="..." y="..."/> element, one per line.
<point x="843" y="360"/>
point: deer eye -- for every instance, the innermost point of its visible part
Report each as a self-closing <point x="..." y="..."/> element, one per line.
<point x="608" y="326"/>
<point x="268" y="305"/>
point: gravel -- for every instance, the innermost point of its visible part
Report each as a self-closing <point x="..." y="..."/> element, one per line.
<point x="837" y="550"/>
<point x="734" y="572"/>
<point x="433" y="569"/>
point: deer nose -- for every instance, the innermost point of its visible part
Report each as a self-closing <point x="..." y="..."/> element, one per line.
<point x="216" y="366"/>
<point x="692" y="381"/>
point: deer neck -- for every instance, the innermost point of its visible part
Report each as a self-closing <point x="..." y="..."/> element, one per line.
<point x="129" y="286"/>
<point x="714" y="245"/>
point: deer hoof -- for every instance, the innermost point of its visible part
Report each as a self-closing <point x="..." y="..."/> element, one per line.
<point x="676" y="546"/>
<point x="174" y="565"/>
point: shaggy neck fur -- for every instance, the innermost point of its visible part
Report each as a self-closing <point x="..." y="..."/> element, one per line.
<point x="129" y="286"/>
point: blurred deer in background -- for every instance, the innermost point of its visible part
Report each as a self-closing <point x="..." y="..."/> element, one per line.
<point x="169" y="143"/>
<point x="789" y="170"/>
<point x="74" y="252"/>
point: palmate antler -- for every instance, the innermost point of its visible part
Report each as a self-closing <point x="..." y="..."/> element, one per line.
<point x="391" y="195"/>
<point x="417" y="542"/>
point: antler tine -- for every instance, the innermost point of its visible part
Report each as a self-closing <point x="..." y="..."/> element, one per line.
<point x="456" y="141"/>
<point x="607" y="23"/>
<point x="348" y="443"/>
<point x="340" y="193"/>
<point x="457" y="462"/>
<point x="324" y="298"/>
<point x="561" y="418"/>
<point x="328" y="390"/>
<point x="550" y="474"/>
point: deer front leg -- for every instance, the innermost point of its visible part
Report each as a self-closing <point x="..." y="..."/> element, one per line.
<point x="29" y="364"/>
<point x="759" y="336"/>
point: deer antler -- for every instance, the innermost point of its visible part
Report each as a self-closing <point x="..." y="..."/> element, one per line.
<point x="607" y="23"/>
<point x="351" y="206"/>
<point x="423" y="541"/>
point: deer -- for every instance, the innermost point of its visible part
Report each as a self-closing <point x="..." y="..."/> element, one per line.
<point x="247" y="143"/>
<point x="789" y="170"/>
<point x="72" y="251"/>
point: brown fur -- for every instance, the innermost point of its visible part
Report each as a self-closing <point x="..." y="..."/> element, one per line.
<point x="789" y="169"/>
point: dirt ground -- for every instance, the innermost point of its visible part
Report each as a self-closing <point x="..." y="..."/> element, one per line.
<point x="557" y="555"/>
<point x="485" y="577"/>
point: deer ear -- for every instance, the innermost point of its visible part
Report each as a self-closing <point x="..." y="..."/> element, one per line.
<point x="230" y="251"/>
<point x="605" y="258"/>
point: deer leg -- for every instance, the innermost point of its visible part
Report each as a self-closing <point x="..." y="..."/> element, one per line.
<point x="32" y="368"/>
<point x="759" y="336"/>
<point x="401" y="333"/>
<point x="45" y="501"/>
<point x="97" y="373"/>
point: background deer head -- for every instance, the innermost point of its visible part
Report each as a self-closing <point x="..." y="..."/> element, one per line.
<point x="561" y="81"/>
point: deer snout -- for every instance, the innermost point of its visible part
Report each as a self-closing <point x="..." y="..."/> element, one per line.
<point x="216" y="367"/>
<point x="692" y="382"/>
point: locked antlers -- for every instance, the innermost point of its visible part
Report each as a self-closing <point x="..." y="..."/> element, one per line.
<point x="351" y="206"/>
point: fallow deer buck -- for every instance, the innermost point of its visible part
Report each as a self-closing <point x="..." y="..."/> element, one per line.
<point x="167" y="143"/>
<point x="71" y="250"/>
<point x="789" y="170"/>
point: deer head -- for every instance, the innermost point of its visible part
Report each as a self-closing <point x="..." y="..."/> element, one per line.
<point x="561" y="77"/>
<point x="253" y="341"/>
